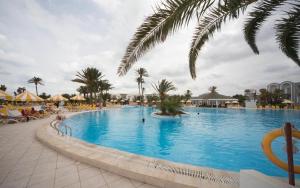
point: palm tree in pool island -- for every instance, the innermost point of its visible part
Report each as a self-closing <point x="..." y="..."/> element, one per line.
<point x="171" y="15"/>
<point x="36" y="81"/>
<point x="162" y="88"/>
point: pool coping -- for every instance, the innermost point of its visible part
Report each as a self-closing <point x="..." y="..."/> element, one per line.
<point x="158" y="172"/>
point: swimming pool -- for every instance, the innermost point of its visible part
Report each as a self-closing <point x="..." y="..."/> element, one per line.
<point x="226" y="139"/>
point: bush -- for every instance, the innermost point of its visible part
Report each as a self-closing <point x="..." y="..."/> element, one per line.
<point x="171" y="106"/>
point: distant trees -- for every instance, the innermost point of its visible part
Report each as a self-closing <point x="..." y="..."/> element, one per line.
<point x="3" y="87"/>
<point x="273" y="98"/>
<point x="36" y="81"/>
<point x="19" y="90"/>
<point x="152" y="99"/>
<point x="240" y="98"/>
<point x="44" y="95"/>
<point x="68" y="96"/>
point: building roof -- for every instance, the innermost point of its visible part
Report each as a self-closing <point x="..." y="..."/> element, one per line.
<point x="212" y="95"/>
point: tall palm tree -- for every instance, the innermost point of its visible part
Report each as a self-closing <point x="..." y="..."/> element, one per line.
<point x="90" y="77"/>
<point x="36" y="81"/>
<point x="211" y="14"/>
<point x="104" y="86"/>
<point x="141" y="73"/>
<point x="187" y="95"/>
<point x="162" y="88"/>
<point x="139" y="81"/>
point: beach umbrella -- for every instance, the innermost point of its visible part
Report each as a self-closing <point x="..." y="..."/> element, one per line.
<point x="235" y="102"/>
<point x="153" y="101"/>
<point x="188" y="101"/>
<point x="137" y="101"/>
<point x="5" y="96"/>
<point x="286" y="101"/>
<point x="27" y="96"/>
<point x="58" y="98"/>
<point x="182" y="101"/>
<point x="78" y="98"/>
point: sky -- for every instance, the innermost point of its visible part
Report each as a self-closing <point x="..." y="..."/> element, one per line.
<point x="54" y="39"/>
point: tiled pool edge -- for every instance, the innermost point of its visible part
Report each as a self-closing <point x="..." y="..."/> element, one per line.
<point x="149" y="170"/>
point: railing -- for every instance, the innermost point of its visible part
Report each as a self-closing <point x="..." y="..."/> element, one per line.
<point x="67" y="129"/>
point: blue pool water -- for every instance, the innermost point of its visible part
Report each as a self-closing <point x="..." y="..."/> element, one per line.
<point x="218" y="138"/>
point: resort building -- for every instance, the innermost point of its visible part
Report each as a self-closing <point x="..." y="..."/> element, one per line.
<point x="290" y="89"/>
<point x="213" y="99"/>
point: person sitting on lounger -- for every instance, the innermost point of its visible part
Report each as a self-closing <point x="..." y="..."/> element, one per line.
<point x="24" y="113"/>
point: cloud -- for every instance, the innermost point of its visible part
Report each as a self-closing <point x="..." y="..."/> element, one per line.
<point x="55" y="39"/>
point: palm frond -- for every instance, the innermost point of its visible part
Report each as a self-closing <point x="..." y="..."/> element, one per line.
<point x="261" y="12"/>
<point x="288" y="33"/>
<point x="212" y="22"/>
<point x="167" y="19"/>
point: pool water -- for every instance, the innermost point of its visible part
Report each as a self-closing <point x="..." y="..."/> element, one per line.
<point x="228" y="139"/>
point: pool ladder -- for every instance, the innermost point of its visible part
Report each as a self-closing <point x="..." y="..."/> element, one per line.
<point x="67" y="129"/>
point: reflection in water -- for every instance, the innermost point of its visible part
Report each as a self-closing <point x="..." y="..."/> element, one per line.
<point x="166" y="134"/>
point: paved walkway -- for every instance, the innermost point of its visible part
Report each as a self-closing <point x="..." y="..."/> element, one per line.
<point x="25" y="162"/>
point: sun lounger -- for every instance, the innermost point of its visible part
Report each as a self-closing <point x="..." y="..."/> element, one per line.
<point x="18" y="115"/>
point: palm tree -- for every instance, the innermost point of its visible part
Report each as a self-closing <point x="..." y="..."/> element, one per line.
<point x="36" y="81"/>
<point x="213" y="89"/>
<point x="103" y="86"/>
<point x="83" y="90"/>
<point x="141" y="72"/>
<point x="20" y="90"/>
<point x="187" y="95"/>
<point x="90" y="77"/>
<point x="211" y="14"/>
<point x="264" y="97"/>
<point x="3" y="87"/>
<point x="163" y="87"/>
<point x="139" y="82"/>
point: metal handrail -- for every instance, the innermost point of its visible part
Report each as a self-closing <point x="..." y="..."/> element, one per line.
<point x="67" y="128"/>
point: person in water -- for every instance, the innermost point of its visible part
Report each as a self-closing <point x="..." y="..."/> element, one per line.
<point x="143" y="120"/>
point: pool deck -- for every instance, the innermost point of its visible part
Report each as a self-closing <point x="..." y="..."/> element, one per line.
<point x="25" y="162"/>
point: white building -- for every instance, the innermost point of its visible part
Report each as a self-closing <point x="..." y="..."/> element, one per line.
<point x="290" y="89"/>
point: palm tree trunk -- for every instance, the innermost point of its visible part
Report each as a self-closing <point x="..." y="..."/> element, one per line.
<point x="139" y="91"/>
<point x="142" y="97"/>
<point x="36" y="90"/>
<point x="91" y="96"/>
